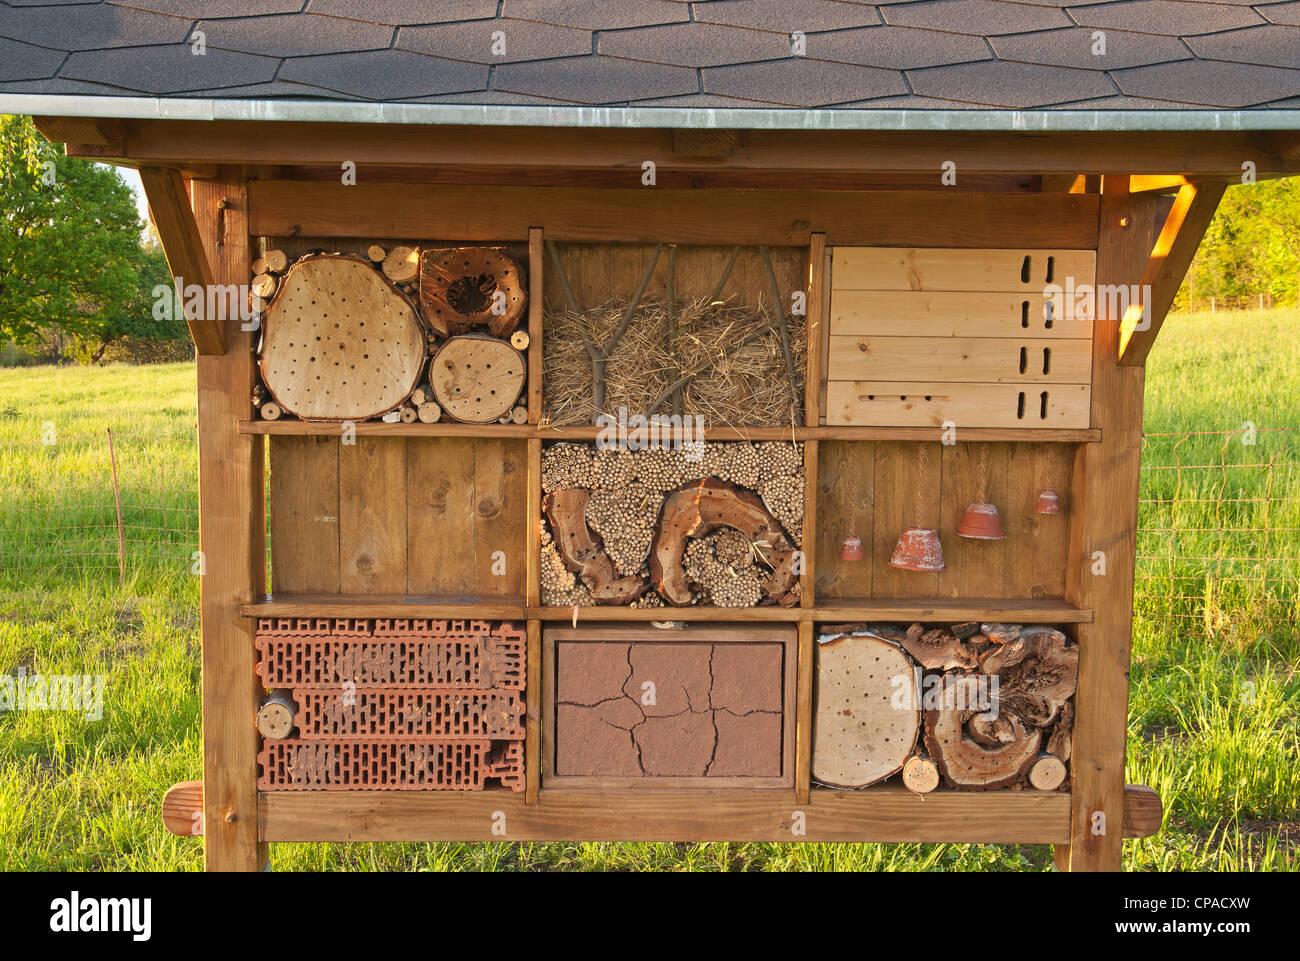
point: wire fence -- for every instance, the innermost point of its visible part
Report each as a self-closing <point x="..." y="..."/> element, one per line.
<point x="1218" y="535"/>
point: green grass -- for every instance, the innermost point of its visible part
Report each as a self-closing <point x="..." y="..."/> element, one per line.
<point x="1213" y="712"/>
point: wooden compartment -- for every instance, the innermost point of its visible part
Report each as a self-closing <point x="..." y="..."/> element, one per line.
<point x="706" y="706"/>
<point x="926" y="337"/>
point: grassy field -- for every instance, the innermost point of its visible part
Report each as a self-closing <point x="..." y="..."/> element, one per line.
<point x="1213" y="722"/>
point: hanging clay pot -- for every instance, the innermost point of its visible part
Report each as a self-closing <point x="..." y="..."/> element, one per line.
<point x="851" y="548"/>
<point x="982" y="523"/>
<point x="918" y="549"/>
<point x="1049" y="502"/>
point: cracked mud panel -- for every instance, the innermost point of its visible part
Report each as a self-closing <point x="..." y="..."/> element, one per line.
<point x="686" y="709"/>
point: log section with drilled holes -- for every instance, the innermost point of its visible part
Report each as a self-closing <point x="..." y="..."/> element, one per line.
<point x="340" y="343"/>
<point x="468" y="287"/>
<point x="860" y="733"/>
<point x="476" y="379"/>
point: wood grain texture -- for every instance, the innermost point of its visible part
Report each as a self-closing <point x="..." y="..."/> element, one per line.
<point x="494" y="214"/>
<point x="845" y="506"/>
<point x="803" y="715"/>
<point x="305" y="513"/>
<point x="974" y="473"/>
<point x="533" y="714"/>
<point x="313" y="604"/>
<point x="931" y="403"/>
<point x="979" y="360"/>
<point x="232" y="529"/>
<point x="536" y="296"/>
<point x="187" y="258"/>
<point x="182" y="809"/>
<point x="1024" y="269"/>
<point x="1103" y="517"/>
<point x="372" y="516"/>
<point x="950" y="313"/>
<point x="817" y="320"/>
<point x="808" y="579"/>
<point x="1037" y="558"/>
<point x="906" y="495"/>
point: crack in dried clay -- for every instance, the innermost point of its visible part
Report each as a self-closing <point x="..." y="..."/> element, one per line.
<point x="747" y="713"/>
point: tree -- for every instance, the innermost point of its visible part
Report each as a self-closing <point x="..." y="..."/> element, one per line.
<point x="71" y="260"/>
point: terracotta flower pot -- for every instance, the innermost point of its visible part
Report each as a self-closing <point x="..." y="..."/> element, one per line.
<point x="918" y="549"/>
<point x="851" y="548"/>
<point x="982" y="523"/>
<point x="1049" y="502"/>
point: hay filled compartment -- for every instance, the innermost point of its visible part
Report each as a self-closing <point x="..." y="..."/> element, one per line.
<point x="668" y="329"/>
<point x="719" y="525"/>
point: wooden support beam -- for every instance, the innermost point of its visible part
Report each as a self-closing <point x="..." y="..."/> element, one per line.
<point x="1156" y="183"/>
<point x="1184" y="227"/>
<point x="170" y="210"/>
<point x="1103" y="540"/>
<point x="232" y="542"/>
<point x="94" y="133"/>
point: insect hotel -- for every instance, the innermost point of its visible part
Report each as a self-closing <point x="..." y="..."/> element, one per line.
<point x="670" y="421"/>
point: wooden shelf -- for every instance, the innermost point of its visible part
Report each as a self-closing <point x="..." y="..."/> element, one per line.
<point x="1012" y="610"/>
<point x="717" y="433"/>
<point x="505" y="607"/>
<point x="737" y="614"/>
<point x="885" y="813"/>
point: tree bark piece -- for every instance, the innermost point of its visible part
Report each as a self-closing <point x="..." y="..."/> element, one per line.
<point x="938" y="649"/>
<point x="920" y="774"/>
<point x="701" y="508"/>
<point x="966" y="764"/>
<point x="1048" y="773"/>
<point x="860" y="733"/>
<point x="583" y="552"/>
<point x="459" y="290"/>
<point x="1039" y="682"/>
<point x="1060" y="742"/>
<point x="429" y="412"/>
<point x="476" y="379"/>
<point x="402" y="265"/>
<point x="340" y="342"/>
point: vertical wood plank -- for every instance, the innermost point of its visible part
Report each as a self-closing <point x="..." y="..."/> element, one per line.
<point x="499" y="505"/>
<point x="372" y="516"/>
<point x="536" y="297"/>
<point x="825" y="349"/>
<point x="803" y="716"/>
<point x="1104" y="495"/>
<point x="1036" y="558"/>
<point x="846" y="505"/>
<point x="305" y="514"/>
<point x="808" y="580"/>
<point x="816" y="274"/>
<point x="231" y="532"/>
<point x="533" y="714"/>
<point x="440" y="518"/>
<point x="975" y="568"/>
<point x="905" y="496"/>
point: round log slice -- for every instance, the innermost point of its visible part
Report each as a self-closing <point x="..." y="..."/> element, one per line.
<point x="868" y="711"/>
<point x="476" y="379"/>
<point x="457" y="289"/>
<point x="340" y="342"/>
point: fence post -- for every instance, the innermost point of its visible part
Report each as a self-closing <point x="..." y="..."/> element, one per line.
<point x="117" y="500"/>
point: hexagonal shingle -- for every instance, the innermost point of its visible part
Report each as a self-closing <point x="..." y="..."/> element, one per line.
<point x="783" y="16"/>
<point x="1074" y="48"/>
<point x="398" y="13"/>
<point x="1209" y="82"/>
<point x="899" y="48"/>
<point x="199" y="9"/>
<point x="23" y="61"/>
<point x="800" y="82"/>
<point x="294" y="35"/>
<point x="385" y="74"/>
<point x="1171" y="17"/>
<point x="976" y="17"/>
<point x="1270" y="45"/>
<point x="1285" y="13"/>
<point x="473" y="40"/>
<point x="595" y="80"/>
<point x="694" y="44"/>
<point x="1015" y="85"/>
<point x="605" y="15"/>
<point x="91" y="28"/>
<point x="168" y="69"/>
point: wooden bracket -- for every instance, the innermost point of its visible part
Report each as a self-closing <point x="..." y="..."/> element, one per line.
<point x="169" y="207"/>
<point x="1184" y="227"/>
<point x="85" y="136"/>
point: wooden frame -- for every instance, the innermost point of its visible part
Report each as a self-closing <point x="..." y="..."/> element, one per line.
<point x="553" y="637"/>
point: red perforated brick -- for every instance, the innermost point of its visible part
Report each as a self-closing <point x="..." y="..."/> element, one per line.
<point x="484" y="658"/>
<point x="403" y="714"/>
<point x="360" y="765"/>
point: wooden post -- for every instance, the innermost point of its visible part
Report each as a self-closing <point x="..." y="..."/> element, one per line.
<point x="532" y="598"/>
<point x="232" y="540"/>
<point x="1103" y="531"/>
<point x="536" y="288"/>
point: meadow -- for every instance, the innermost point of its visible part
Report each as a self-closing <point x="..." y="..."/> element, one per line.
<point x="1214" y="717"/>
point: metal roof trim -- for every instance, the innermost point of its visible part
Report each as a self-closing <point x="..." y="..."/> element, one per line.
<point x="758" y="118"/>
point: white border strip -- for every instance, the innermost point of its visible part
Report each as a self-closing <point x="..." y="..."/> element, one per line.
<point x="340" y="111"/>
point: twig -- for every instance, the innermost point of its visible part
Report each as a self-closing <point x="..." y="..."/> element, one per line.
<point x="687" y="378"/>
<point x="726" y="275"/>
<point x="674" y="372"/>
<point x="779" y="311"/>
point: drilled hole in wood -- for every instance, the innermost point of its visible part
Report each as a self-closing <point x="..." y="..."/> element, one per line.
<point x="1024" y="314"/>
<point x="1051" y="268"/>
<point x="1023" y="360"/>
<point x="1042" y="408"/>
<point x="1047" y="360"/>
<point x="1024" y="270"/>
<point x="1020" y="406"/>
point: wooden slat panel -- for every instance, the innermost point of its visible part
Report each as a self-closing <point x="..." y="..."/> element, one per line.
<point x="1020" y="270"/>
<point x="533" y="714"/>
<point x="915" y="219"/>
<point x="809" y="547"/>
<point x="536" y="295"/>
<point x="965" y="609"/>
<point x="232" y="537"/>
<point x="440" y="517"/>
<point x="384" y="605"/>
<point x="818" y="280"/>
<point x="1036" y="559"/>
<point x="803" y="715"/>
<point x="974" y="360"/>
<point x="878" y="403"/>
<point x="845" y="505"/>
<point x="973" y="473"/>
<point x="950" y="313"/>
<point x="906" y="495"/>
<point x="372" y="516"/>
<point x="305" y="513"/>
<point x="500" y="469"/>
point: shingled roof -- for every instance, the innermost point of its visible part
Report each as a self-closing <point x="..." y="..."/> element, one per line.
<point x="1122" y="55"/>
